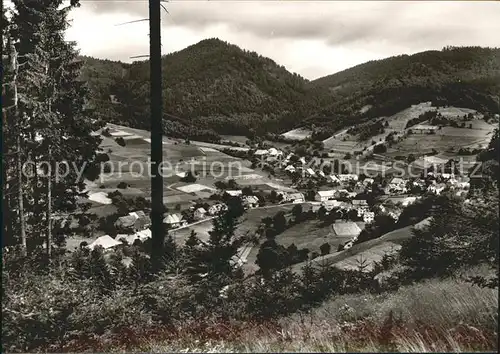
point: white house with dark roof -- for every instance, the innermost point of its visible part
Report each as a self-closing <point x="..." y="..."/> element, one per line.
<point x="322" y="196"/>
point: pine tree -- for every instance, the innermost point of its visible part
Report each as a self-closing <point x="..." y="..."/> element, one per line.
<point x="213" y="259"/>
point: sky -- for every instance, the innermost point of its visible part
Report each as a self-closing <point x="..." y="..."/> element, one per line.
<point x="311" y="38"/>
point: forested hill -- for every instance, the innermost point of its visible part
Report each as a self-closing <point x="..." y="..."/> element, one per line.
<point x="211" y="85"/>
<point x="214" y="86"/>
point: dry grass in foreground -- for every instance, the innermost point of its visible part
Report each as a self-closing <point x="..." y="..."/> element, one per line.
<point x="428" y="317"/>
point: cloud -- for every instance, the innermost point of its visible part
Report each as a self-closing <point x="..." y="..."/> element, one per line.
<point x="339" y="34"/>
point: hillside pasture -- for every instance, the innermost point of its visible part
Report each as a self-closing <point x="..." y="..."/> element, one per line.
<point x="389" y="239"/>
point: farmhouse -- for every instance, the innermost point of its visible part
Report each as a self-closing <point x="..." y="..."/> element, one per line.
<point x="261" y="152"/>
<point x="361" y="206"/>
<point x="346" y="229"/>
<point x="396" y="186"/>
<point x="250" y="201"/>
<point x="334" y="179"/>
<point x="310" y="172"/>
<point x="106" y="242"/>
<point x="424" y="129"/>
<point x="437" y="188"/>
<point x="368" y="181"/>
<point x="331" y="204"/>
<point x="322" y="196"/>
<point x="174" y="221"/>
<point x="348" y="177"/>
<point x="140" y="235"/>
<point x="100" y="197"/>
<point x="199" y="214"/>
<point x="134" y="221"/>
<point x="296" y="197"/>
<point x="290" y="169"/>
<point x="288" y="157"/>
<point x="408" y="201"/>
<point x="275" y="152"/>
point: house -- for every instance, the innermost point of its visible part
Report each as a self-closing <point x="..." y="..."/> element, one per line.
<point x="361" y="206"/>
<point x="322" y="174"/>
<point x="348" y="177"/>
<point x="360" y="203"/>
<point x="349" y="195"/>
<point x="106" y="242"/>
<point x="368" y="217"/>
<point x="331" y="204"/>
<point x="290" y="169"/>
<point x="424" y="129"/>
<point x="234" y="193"/>
<point x="275" y="152"/>
<point x="140" y="235"/>
<point x="408" y="201"/>
<point x="302" y="160"/>
<point x="334" y="179"/>
<point x="437" y="188"/>
<point x="321" y="196"/>
<point x="217" y="208"/>
<point x="134" y="221"/>
<point x="174" y="221"/>
<point x="396" y="186"/>
<point x="368" y="181"/>
<point x="181" y="174"/>
<point x="199" y="213"/>
<point x="288" y="157"/>
<point x="296" y="197"/>
<point x="447" y="176"/>
<point x="310" y="172"/>
<point x="346" y="229"/>
<point x="260" y="152"/>
<point x="251" y="201"/>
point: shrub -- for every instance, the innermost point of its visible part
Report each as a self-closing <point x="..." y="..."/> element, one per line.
<point x="122" y="185"/>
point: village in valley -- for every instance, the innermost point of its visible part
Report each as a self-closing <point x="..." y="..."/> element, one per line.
<point x="265" y="178"/>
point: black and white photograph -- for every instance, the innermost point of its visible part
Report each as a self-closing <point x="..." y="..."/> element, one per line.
<point x="262" y="176"/>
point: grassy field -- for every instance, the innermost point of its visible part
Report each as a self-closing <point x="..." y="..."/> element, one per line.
<point x="435" y="316"/>
<point x="370" y="251"/>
